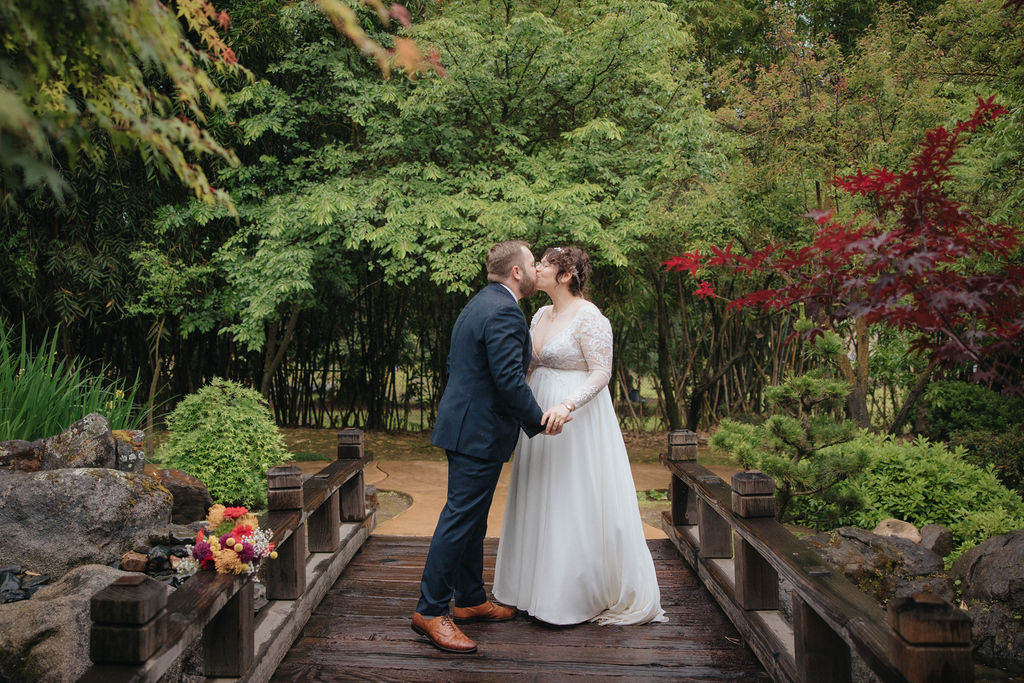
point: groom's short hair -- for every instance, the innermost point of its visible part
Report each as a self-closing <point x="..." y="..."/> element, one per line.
<point x="502" y="256"/>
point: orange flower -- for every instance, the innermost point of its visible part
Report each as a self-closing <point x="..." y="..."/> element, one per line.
<point x="227" y="562"/>
<point x="249" y="519"/>
<point x="216" y="515"/>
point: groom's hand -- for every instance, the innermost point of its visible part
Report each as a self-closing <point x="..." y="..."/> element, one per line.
<point x="555" y="418"/>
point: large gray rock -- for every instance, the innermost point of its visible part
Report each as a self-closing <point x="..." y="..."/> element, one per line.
<point x="937" y="538"/>
<point x="882" y="566"/>
<point x="991" y="578"/>
<point x="130" y="450"/>
<point x="24" y="456"/>
<point x="86" y="443"/>
<point x="46" y="639"/>
<point x="52" y="522"/>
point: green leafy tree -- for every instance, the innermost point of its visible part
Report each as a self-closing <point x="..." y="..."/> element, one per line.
<point x="554" y="124"/>
<point x="124" y="70"/>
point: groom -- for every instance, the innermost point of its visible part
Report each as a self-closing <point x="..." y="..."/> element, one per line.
<point x="485" y="403"/>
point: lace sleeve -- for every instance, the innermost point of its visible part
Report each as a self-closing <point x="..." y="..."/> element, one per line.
<point x="594" y="335"/>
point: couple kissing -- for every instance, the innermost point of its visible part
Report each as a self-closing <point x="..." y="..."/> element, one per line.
<point x="572" y="546"/>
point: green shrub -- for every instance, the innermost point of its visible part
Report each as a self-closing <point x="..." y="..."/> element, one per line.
<point x="795" y="445"/>
<point x="963" y="407"/>
<point x="927" y="483"/>
<point x="225" y="436"/>
<point x="40" y="395"/>
<point x="1004" y="451"/>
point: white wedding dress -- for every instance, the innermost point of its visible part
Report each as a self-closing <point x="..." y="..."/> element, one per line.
<point x="572" y="545"/>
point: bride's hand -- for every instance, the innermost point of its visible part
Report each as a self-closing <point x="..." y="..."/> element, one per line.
<point x="555" y="418"/>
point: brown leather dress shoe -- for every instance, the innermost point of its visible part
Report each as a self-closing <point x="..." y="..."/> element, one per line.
<point x="487" y="611"/>
<point x="443" y="633"/>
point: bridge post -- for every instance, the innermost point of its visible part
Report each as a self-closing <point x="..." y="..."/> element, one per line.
<point x="757" y="582"/>
<point x="715" y="532"/>
<point x="682" y="445"/>
<point x="229" y="640"/>
<point x="820" y="654"/>
<point x="930" y="639"/>
<point x="353" y="494"/>
<point x="129" y="620"/>
<point x="286" y="576"/>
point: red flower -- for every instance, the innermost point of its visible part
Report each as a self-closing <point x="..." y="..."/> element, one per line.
<point x="241" y="530"/>
<point x="234" y="513"/>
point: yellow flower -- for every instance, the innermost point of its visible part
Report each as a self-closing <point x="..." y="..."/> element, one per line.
<point x="273" y="554"/>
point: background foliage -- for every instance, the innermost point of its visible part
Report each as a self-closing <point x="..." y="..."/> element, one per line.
<point x="309" y="220"/>
<point x="41" y="393"/>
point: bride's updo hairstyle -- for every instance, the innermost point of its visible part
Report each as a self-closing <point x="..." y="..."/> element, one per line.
<point x="574" y="261"/>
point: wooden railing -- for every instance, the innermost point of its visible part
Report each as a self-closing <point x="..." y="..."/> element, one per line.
<point x="729" y="535"/>
<point x="139" y="631"/>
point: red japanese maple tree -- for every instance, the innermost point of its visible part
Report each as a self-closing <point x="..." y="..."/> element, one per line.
<point x="921" y="262"/>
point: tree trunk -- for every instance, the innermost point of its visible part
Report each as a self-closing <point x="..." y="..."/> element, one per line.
<point x="275" y="351"/>
<point x="669" y="402"/>
<point x="857" y="401"/>
<point x="153" y="385"/>
<point x="912" y="398"/>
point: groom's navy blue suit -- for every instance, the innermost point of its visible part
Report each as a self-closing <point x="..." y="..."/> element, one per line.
<point x="485" y="404"/>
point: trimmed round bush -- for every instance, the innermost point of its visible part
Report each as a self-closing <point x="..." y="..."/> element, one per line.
<point x="225" y="436"/>
<point x="961" y="406"/>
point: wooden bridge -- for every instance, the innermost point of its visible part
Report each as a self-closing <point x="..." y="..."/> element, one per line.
<point x="745" y="600"/>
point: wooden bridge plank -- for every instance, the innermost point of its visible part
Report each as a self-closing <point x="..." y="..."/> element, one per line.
<point x="360" y="631"/>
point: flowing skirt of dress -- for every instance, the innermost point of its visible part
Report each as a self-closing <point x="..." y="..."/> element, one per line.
<point x="572" y="546"/>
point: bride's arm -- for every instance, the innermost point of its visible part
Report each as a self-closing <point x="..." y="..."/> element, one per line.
<point x="595" y="338"/>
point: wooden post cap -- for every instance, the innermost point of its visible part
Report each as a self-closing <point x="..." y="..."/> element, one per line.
<point x="753" y="495"/>
<point x="928" y="619"/>
<point x="350" y="444"/>
<point x="130" y="600"/>
<point x="682" y="445"/>
<point x="284" y="477"/>
<point x="752" y="483"/>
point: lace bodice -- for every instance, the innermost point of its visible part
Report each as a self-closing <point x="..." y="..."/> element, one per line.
<point x="584" y="344"/>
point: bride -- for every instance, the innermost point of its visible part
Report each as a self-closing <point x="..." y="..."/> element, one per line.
<point x="572" y="545"/>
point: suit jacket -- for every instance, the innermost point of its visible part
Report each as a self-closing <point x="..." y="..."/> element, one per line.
<point x="486" y="400"/>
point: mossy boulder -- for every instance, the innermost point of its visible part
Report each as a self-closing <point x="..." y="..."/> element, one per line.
<point x="52" y="522"/>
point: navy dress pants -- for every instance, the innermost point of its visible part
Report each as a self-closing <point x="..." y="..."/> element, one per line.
<point x="455" y="561"/>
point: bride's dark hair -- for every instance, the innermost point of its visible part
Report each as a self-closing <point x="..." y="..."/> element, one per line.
<point x="572" y="260"/>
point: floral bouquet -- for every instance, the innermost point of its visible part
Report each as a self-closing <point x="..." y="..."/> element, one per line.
<point x="233" y="544"/>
